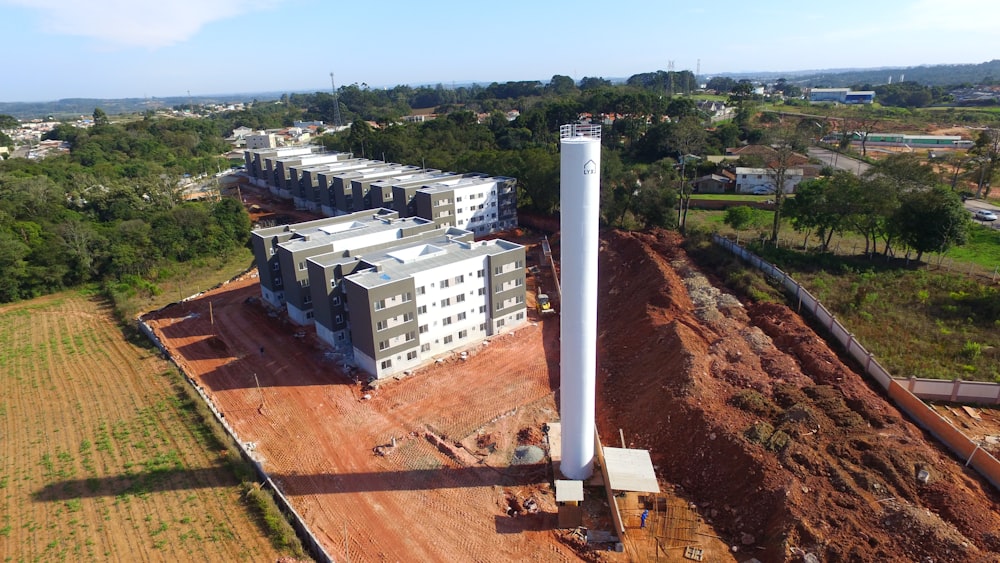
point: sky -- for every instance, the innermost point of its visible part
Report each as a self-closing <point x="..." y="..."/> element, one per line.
<point x="55" y="49"/>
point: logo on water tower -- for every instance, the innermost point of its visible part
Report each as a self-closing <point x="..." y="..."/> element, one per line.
<point x="589" y="168"/>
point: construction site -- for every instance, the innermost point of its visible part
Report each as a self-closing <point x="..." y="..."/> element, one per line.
<point x="764" y="443"/>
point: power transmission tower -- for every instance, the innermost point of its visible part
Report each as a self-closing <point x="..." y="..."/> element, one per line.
<point x="337" y="121"/>
<point x="670" y="77"/>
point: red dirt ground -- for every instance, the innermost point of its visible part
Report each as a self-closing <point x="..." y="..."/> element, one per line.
<point x="437" y="495"/>
<point x="689" y="374"/>
<point x="746" y="412"/>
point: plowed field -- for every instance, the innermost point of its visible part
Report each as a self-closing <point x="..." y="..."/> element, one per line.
<point x="99" y="457"/>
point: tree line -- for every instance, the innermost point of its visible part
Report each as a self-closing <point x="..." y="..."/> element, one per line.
<point x="111" y="210"/>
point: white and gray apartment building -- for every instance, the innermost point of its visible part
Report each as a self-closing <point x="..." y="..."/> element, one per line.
<point x="394" y="291"/>
<point x="337" y="184"/>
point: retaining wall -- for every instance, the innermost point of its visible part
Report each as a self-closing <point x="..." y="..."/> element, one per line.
<point x="310" y="542"/>
<point x="902" y="392"/>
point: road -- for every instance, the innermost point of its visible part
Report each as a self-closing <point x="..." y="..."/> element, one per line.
<point x="839" y="161"/>
<point x="975" y="204"/>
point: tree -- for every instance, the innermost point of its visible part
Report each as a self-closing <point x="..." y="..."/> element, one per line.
<point x="740" y="217"/>
<point x="561" y="85"/>
<point x="8" y="122"/>
<point x="861" y="124"/>
<point x="931" y="220"/>
<point x="100" y="118"/>
<point x="593" y="83"/>
<point x="740" y="94"/>
<point x="823" y="205"/>
<point x="784" y="138"/>
<point x="988" y="149"/>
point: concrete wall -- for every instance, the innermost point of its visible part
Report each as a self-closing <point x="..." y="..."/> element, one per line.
<point x="903" y="392"/>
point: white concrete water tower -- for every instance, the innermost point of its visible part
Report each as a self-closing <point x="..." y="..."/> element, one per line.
<point x="579" y="192"/>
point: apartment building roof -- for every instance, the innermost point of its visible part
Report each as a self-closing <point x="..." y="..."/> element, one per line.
<point x="345" y="235"/>
<point x="404" y="261"/>
<point x="464" y="181"/>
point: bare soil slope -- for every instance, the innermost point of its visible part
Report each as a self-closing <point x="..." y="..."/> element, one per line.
<point x="752" y="416"/>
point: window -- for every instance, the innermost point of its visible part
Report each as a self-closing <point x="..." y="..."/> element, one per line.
<point x="379" y="305"/>
<point x="411" y="355"/>
<point x="482" y="308"/>
<point x="459" y="279"/>
<point x="336" y="300"/>
<point x="461" y="316"/>
<point x="386" y="364"/>
<point x="307" y="299"/>
<point x="421" y="309"/>
<point x="383" y="344"/>
<point x="338" y="319"/>
<point x="445" y="283"/>
<point x="482" y="327"/>
<point x="302" y="265"/>
<point x="276" y="266"/>
<point x="272" y="251"/>
<point x="482" y="291"/>
<point x="410" y="336"/>
<point x="500" y="322"/>
<point x="420" y="290"/>
<point x="422" y="329"/>
<point x="446" y="321"/>
<point x="381" y="325"/>
<point x="458" y="199"/>
<point x="463" y="334"/>
<point x="408" y="316"/>
<point x="277" y="282"/>
<point x="425" y="347"/>
<point x="520" y="315"/>
<point x="448" y="339"/>
<point x="460" y="298"/>
<point x="480" y="273"/>
<point x="446" y="301"/>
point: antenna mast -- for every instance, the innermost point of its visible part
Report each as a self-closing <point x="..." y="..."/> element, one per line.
<point x="337" y="121"/>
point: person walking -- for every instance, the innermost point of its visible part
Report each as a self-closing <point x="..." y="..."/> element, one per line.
<point x="642" y="519"/>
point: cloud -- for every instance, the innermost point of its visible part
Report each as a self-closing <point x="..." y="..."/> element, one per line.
<point x="136" y="23"/>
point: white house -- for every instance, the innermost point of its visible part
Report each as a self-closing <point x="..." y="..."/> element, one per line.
<point x="750" y="180"/>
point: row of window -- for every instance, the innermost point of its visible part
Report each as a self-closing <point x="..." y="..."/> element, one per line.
<point x="405" y="297"/>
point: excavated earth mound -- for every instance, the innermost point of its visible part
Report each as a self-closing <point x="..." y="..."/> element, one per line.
<point x="751" y="416"/>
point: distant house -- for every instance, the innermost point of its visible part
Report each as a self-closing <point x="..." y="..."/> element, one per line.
<point x="712" y="184"/>
<point x="240" y="133"/>
<point x="763" y="180"/>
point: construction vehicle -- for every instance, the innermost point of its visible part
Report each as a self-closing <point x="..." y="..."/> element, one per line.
<point x="544" y="304"/>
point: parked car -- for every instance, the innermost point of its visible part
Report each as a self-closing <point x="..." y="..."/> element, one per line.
<point x="985" y="215"/>
<point x="762" y="190"/>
